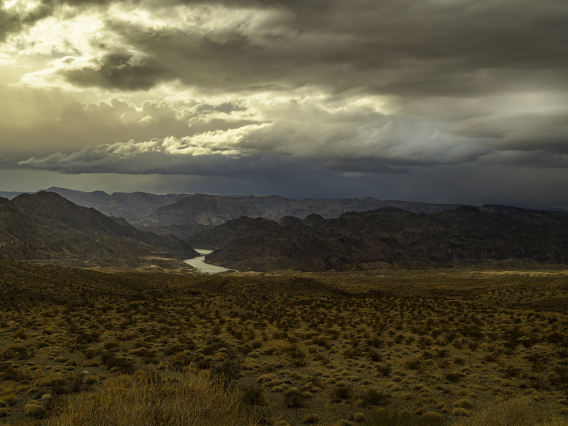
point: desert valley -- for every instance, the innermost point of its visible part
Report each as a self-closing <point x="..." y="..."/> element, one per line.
<point x="404" y="314"/>
<point x="283" y="212"/>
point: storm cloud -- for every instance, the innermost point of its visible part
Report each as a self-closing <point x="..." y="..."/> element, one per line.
<point x="366" y="94"/>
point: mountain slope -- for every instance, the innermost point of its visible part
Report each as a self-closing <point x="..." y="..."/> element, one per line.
<point x="234" y="229"/>
<point x="300" y="251"/>
<point x="132" y="206"/>
<point x="53" y="207"/>
<point x="47" y="228"/>
<point x="22" y="235"/>
<point x="10" y="194"/>
<point x="276" y="207"/>
<point x="202" y="209"/>
<point x="463" y="236"/>
<point x="184" y="215"/>
<point x="185" y="212"/>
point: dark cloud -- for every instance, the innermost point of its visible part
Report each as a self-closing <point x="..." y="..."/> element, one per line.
<point x="409" y="48"/>
<point x="226" y="107"/>
<point x="13" y="22"/>
<point x="524" y="132"/>
<point x="270" y="174"/>
<point x="118" y="71"/>
<point x="361" y="93"/>
<point x="105" y="159"/>
<point x="365" y="165"/>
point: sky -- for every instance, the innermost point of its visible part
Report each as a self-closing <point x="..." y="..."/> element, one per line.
<point x="458" y="101"/>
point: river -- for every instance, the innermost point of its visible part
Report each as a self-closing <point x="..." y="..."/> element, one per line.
<point x="199" y="263"/>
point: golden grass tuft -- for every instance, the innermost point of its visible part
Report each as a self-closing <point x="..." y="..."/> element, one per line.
<point x="10" y="399"/>
<point x="359" y="417"/>
<point x="311" y="419"/>
<point x="91" y="380"/>
<point x="461" y="412"/>
<point x="463" y="403"/>
<point x="53" y="379"/>
<point x="34" y="409"/>
<point x="513" y="412"/>
<point x="433" y="416"/>
<point x="190" y="398"/>
<point x="555" y="421"/>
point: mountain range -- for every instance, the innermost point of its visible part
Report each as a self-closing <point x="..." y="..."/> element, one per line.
<point x="184" y="215"/>
<point x="263" y="233"/>
<point x="465" y="236"/>
<point x="47" y="228"/>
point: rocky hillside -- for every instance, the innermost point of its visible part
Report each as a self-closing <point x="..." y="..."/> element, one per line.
<point x="48" y="228"/>
<point x="180" y="231"/>
<point x="133" y="206"/>
<point x="9" y="194"/>
<point x="234" y="229"/>
<point x="202" y="209"/>
<point x="185" y="215"/>
<point x="208" y="209"/>
<point x="464" y="236"/>
<point x="275" y="207"/>
<point x="185" y="212"/>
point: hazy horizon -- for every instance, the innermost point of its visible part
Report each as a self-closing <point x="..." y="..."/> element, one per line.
<point x="527" y="206"/>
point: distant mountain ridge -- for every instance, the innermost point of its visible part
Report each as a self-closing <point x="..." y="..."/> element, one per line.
<point x="184" y="215"/>
<point x="191" y="207"/>
<point x="390" y="236"/>
<point x="132" y="206"/>
<point x="203" y="209"/>
<point x="11" y="194"/>
<point x="250" y="233"/>
<point x="46" y="227"/>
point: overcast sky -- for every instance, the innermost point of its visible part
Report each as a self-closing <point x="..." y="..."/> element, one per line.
<point x="428" y="100"/>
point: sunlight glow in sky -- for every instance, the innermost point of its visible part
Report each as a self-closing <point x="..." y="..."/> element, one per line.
<point x="441" y="101"/>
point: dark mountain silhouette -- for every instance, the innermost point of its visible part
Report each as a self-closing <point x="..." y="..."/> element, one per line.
<point x="49" y="228"/>
<point x="202" y="209"/>
<point x="465" y="236"/>
<point x="181" y="231"/>
<point x="313" y="220"/>
<point x="121" y="221"/>
<point x="554" y="221"/>
<point x="234" y="229"/>
<point x="300" y="251"/>
<point x="10" y="194"/>
<point x="276" y="207"/>
<point x="184" y="215"/>
<point x="132" y="206"/>
<point x="51" y="206"/>
<point x="186" y="212"/>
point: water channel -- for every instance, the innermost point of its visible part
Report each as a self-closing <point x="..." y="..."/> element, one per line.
<point x="199" y="263"/>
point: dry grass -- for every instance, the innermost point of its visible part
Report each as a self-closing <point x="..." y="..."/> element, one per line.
<point x="439" y="345"/>
<point x="180" y="399"/>
<point x="514" y="412"/>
